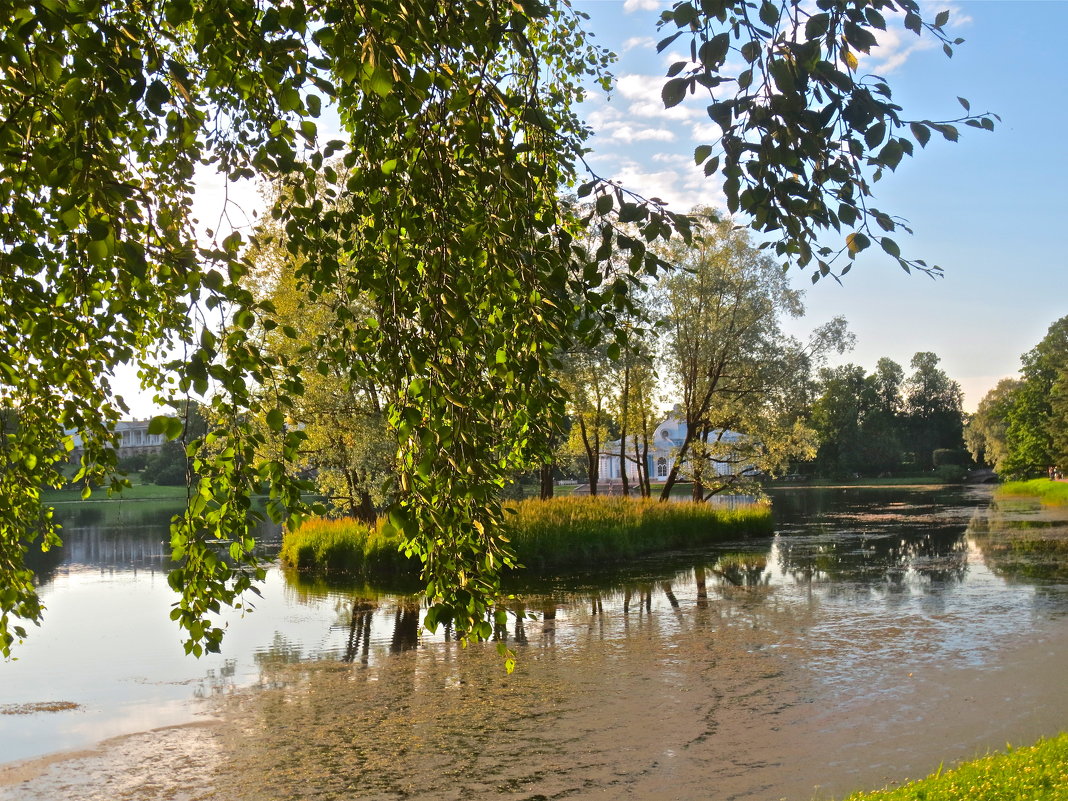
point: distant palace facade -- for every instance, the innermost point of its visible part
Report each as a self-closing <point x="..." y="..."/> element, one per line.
<point x="663" y="447"/>
<point x="134" y="438"/>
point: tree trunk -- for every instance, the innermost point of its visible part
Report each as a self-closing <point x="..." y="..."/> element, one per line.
<point x="547" y="488"/>
<point x="673" y="476"/>
<point x="591" y="457"/>
<point x="698" y="490"/>
<point x="623" y="432"/>
<point x="647" y="484"/>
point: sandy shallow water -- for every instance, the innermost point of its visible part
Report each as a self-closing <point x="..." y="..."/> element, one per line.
<point x="720" y="709"/>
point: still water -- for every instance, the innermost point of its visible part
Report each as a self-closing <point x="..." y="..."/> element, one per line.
<point x="879" y="633"/>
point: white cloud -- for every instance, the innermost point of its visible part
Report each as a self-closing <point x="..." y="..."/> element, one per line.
<point x="636" y="87"/>
<point x="644" y="93"/>
<point x="630" y="6"/>
<point x="680" y="183"/>
<point x="637" y="41"/>
<point x="958" y="17"/>
<point x="674" y="56"/>
<point x="628" y="134"/>
<point x="705" y="132"/>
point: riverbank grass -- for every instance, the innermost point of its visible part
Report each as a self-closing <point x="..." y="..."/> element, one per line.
<point x="1036" y="773"/>
<point x="573" y="532"/>
<point x="1051" y="492"/>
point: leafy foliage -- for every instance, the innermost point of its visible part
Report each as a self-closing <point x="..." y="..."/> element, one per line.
<point x="1037" y="415"/>
<point x="804" y="134"/>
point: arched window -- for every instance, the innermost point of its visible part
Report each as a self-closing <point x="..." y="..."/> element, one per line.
<point x="661" y="467"/>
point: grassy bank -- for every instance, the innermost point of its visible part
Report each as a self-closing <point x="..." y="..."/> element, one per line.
<point x="562" y="532"/>
<point x="1035" y="773"/>
<point x="1053" y="492"/>
<point x="137" y="492"/>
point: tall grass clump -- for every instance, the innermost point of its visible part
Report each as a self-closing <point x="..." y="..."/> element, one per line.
<point x="1051" y="492"/>
<point x="1035" y="773"/>
<point x="346" y="545"/>
<point x="582" y="531"/>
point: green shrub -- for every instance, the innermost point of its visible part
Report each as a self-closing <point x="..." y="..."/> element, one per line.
<point x="950" y="456"/>
<point x="951" y="473"/>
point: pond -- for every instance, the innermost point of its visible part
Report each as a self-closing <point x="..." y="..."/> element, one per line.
<point x="878" y="634"/>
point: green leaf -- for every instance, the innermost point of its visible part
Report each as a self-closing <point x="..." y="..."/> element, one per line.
<point x="714" y="51"/>
<point x="275" y="420"/>
<point x="920" y="132"/>
<point x="674" y="91"/>
<point x="702" y="152"/>
<point x="769" y="13"/>
<point x="816" y="26"/>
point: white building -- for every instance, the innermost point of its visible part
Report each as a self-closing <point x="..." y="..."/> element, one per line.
<point x="133" y="438"/>
<point x="663" y="448"/>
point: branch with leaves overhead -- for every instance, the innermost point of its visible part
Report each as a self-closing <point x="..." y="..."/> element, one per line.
<point x="804" y="135"/>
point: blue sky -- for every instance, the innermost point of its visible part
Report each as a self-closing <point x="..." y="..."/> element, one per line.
<point x="988" y="209"/>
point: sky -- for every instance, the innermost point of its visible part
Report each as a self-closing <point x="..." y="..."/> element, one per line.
<point x="987" y="209"/>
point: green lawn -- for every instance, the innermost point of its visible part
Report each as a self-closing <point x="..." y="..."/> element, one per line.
<point x="1035" y="773"/>
<point x="137" y="492"/>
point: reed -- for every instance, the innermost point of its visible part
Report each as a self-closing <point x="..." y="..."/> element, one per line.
<point x="1036" y="773"/>
<point x="345" y="545"/>
<point x="577" y="532"/>
<point x="1051" y="492"/>
<point x="583" y="531"/>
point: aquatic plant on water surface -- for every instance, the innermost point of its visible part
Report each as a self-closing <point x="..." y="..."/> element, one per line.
<point x="561" y="532"/>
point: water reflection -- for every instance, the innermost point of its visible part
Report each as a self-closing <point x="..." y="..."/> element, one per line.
<point x="857" y="590"/>
<point x="1022" y="540"/>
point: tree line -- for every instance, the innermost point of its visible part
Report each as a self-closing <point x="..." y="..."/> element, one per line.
<point x="1020" y="427"/>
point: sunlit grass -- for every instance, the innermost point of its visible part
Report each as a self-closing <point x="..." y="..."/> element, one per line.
<point x="573" y="532"/>
<point x="1052" y="492"/>
<point x="585" y="531"/>
<point x="345" y="545"/>
<point x="1034" y="773"/>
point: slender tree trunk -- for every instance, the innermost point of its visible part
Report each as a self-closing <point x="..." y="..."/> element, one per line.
<point x="647" y="484"/>
<point x="623" y="431"/>
<point x="641" y="469"/>
<point x="699" y="466"/>
<point x="591" y="457"/>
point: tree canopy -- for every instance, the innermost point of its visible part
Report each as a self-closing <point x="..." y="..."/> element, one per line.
<point x="440" y="205"/>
